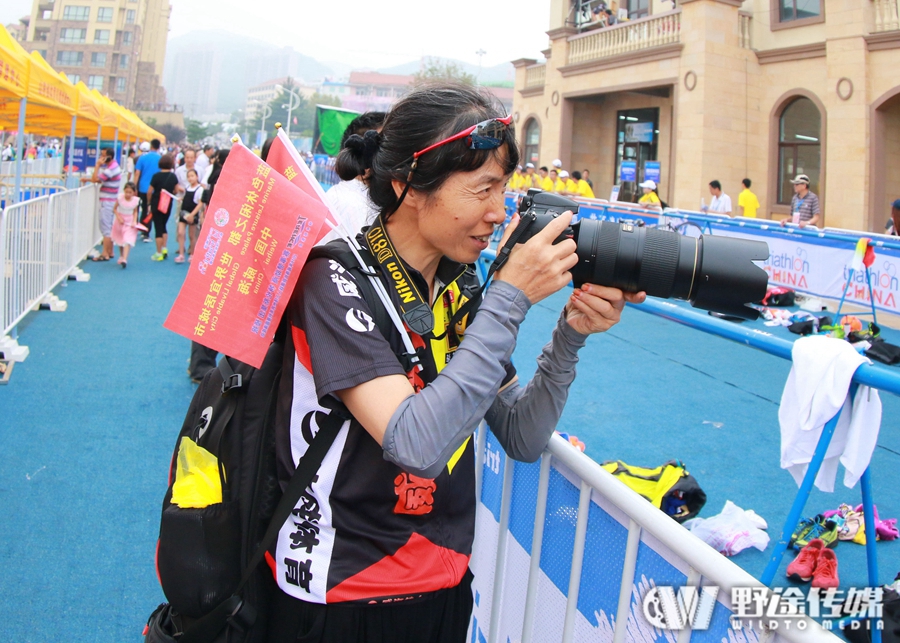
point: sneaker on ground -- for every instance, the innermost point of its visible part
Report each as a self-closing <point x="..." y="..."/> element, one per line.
<point x="156" y="257"/>
<point x="165" y="253"/>
<point x="179" y="258"/>
<point x="147" y="239"/>
<point x="825" y="575"/>
<point x="802" y="567"/>
<point x="823" y="528"/>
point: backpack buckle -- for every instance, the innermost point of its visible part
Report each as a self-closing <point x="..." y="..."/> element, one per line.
<point x="242" y="618"/>
<point x="233" y="381"/>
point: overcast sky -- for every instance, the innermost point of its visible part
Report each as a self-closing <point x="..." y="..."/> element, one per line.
<point x="372" y="33"/>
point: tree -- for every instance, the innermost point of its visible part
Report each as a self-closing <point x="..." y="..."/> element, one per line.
<point x="197" y="131"/>
<point x="302" y="114"/>
<point x="173" y="133"/>
<point x="435" y="69"/>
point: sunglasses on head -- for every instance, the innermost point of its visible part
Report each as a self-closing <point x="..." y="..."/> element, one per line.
<point x="486" y="135"/>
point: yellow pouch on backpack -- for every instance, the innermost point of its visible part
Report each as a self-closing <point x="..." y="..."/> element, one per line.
<point x="197" y="482"/>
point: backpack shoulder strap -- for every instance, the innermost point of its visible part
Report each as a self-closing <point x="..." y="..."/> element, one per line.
<point x="339" y="251"/>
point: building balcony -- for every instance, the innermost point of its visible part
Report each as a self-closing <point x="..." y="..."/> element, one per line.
<point x="535" y="77"/>
<point x="654" y="33"/>
<point x="887" y="16"/>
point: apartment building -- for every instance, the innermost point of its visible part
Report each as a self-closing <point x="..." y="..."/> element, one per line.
<point x="115" y="46"/>
<point x="262" y="94"/>
<point x="723" y="89"/>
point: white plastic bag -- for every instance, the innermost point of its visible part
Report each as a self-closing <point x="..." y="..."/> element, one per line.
<point x="731" y="531"/>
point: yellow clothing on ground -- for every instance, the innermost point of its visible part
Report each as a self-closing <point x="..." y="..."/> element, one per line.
<point x="585" y="190"/>
<point x="650" y="198"/>
<point x="546" y="184"/>
<point x="750" y="203"/>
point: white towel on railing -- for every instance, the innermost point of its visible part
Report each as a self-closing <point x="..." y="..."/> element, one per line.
<point x="816" y="389"/>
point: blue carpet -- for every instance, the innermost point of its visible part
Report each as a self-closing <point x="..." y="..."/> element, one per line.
<point x="90" y="418"/>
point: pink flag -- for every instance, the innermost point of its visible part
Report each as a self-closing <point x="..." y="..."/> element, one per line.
<point x="258" y="232"/>
<point x="283" y="157"/>
<point x="165" y="200"/>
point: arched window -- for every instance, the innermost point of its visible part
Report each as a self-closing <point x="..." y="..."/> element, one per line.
<point x="532" y="142"/>
<point x="799" y="146"/>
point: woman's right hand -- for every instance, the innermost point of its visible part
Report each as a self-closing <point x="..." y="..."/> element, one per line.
<point x="539" y="267"/>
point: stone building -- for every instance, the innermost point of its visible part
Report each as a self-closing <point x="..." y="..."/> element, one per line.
<point x="115" y="46"/>
<point x="724" y="89"/>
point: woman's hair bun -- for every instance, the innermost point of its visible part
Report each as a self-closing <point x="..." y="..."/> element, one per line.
<point x="357" y="155"/>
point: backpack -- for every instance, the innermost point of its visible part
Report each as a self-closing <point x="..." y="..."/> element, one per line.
<point x="208" y="557"/>
<point x="668" y="487"/>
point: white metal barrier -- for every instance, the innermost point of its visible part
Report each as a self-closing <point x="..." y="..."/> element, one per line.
<point x="566" y="552"/>
<point x="40" y="177"/>
<point x="42" y="241"/>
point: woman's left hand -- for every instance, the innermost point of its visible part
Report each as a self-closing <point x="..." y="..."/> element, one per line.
<point x="594" y="309"/>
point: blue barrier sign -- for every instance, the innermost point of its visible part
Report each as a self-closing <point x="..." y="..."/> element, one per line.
<point x="628" y="172"/>
<point x="652" y="171"/>
<point x="79" y="158"/>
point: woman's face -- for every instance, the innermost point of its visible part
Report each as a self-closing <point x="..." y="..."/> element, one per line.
<point x="459" y="218"/>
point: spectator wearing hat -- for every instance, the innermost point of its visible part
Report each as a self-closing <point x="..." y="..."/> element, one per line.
<point x="571" y="188"/>
<point x="649" y="198"/>
<point x="516" y="180"/>
<point x="748" y="204"/>
<point x="557" y="164"/>
<point x="721" y="202"/>
<point x="804" y="204"/>
<point x="532" y="180"/>
<point x="894" y="222"/>
<point x="582" y="188"/>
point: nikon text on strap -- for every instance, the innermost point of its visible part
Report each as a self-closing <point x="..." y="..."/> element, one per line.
<point x="414" y="308"/>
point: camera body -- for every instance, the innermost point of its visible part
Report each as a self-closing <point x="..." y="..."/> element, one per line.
<point x="714" y="273"/>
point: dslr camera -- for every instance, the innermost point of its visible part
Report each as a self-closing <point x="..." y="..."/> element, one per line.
<point x="713" y="273"/>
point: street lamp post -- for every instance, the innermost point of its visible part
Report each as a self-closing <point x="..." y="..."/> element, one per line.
<point x="480" y="53"/>
<point x="266" y="113"/>
<point x="290" y="105"/>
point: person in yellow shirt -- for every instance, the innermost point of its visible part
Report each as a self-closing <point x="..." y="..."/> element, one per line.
<point x="546" y="184"/>
<point x="516" y="180"/>
<point x="559" y="186"/>
<point x="571" y="188"/>
<point x="582" y="188"/>
<point x="649" y="199"/>
<point x="531" y="180"/>
<point x="748" y="204"/>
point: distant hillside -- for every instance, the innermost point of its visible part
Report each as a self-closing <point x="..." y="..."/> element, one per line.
<point x="210" y="71"/>
<point x="501" y="73"/>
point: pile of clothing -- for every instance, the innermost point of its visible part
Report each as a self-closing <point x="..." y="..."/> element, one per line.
<point x="816" y="537"/>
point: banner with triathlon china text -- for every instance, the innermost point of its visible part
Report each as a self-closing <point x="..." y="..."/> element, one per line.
<point x="256" y="237"/>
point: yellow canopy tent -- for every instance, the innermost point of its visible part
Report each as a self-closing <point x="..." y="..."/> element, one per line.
<point x="89" y="112"/>
<point x="13" y="77"/>
<point x="51" y="100"/>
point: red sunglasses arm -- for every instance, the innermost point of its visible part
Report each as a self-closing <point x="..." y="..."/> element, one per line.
<point x="455" y="137"/>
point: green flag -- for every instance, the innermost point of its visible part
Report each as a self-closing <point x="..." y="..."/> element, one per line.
<point x="330" y="125"/>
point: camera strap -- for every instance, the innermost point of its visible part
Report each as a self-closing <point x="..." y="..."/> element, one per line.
<point x="414" y="309"/>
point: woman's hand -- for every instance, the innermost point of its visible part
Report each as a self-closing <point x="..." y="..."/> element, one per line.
<point x="595" y="309"/>
<point x="539" y="267"/>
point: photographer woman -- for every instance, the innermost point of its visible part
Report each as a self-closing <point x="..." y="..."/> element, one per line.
<point x="378" y="549"/>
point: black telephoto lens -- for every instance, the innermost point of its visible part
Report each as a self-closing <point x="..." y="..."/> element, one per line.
<point x="712" y="273"/>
